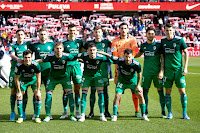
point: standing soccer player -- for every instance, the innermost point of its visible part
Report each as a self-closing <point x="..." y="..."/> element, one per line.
<point x="92" y="76"/>
<point x="73" y="69"/>
<point x="128" y="67"/>
<point x="102" y="45"/>
<point x="152" y="69"/>
<point x="173" y="68"/>
<point x="125" y="41"/>
<point x="41" y="48"/>
<point x="16" y="53"/>
<point x="58" y="75"/>
<point x="28" y="74"/>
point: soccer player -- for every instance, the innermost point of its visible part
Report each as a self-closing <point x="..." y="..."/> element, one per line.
<point x="125" y="41"/>
<point x="73" y="45"/>
<point x="16" y="53"/>
<point x="41" y="48"/>
<point x="102" y="45"/>
<point x="152" y="69"/>
<point x="128" y="67"/>
<point x="173" y="68"/>
<point x="28" y="74"/>
<point x="58" y="75"/>
<point x="92" y="76"/>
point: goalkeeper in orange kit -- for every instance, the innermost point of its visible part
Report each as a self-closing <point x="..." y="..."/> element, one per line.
<point x="125" y="41"/>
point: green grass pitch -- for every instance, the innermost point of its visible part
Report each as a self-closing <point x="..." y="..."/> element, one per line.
<point x="126" y="122"/>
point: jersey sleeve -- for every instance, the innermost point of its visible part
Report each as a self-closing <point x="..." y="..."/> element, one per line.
<point x="115" y="59"/>
<point x="162" y="51"/>
<point x="81" y="44"/>
<point x="141" y="49"/>
<point x="17" y="71"/>
<point x="85" y="46"/>
<point x="11" y="49"/>
<point x="38" y="68"/>
<point x="183" y="45"/>
<point x="46" y="59"/>
<point x="138" y="70"/>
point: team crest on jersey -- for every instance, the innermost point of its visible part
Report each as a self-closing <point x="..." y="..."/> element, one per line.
<point x="132" y="70"/>
<point x="77" y="44"/>
<point x="121" y="67"/>
<point x="32" y="70"/>
<point x="48" y="47"/>
<point x="174" y="44"/>
<point x="154" y="47"/>
<point x="63" y="61"/>
<point x="87" y="61"/>
<point x="144" y="47"/>
<point x="97" y="61"/>
<point x="38" y="48"/>
<point x="103" y="45"/>
<point x="17" y="48"/>
<point x="164" y="44"/>
<point x="53" y="62"/>
<point x="23" y="71"/>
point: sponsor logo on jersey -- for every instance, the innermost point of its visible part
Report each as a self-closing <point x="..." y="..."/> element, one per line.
<point x="43" y="54"/>
<point x="97" y="61"/>
<point x="169" y="51"/>
<point x="149" y="53"/>
<point x="73" y="51"/>
<point x="58" y="67"/>
<point x="19" y="53"/>
<point x="28" y="75"/>
<point x="91" y="66"/>
<point x="125" y="72"/>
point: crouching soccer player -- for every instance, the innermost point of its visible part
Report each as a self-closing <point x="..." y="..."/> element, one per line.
<point x="174" y="71"/>
<point x="28" y="74"/>
<point x="92" y="76"/>
<point x="152" y="69"/>
<point x="58" y="75"/>
<point x="127" y="79"/>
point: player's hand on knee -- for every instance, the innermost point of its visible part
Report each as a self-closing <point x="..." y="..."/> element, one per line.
<point x="185" y="71"/>
<point x="138" y="88"/>
<point x="38" y="94"/>
<point x="19" y="95"/>
<point x="160" y="75"/>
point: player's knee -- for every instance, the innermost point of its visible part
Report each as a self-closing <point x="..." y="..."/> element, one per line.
<point x="100" y="92"/>
<point x="159" y="89"/>
<point x="182" y="90"/>
<point x="84" y="92"/>
<point x="70" y="93"/>
<point x="168" y="90"/>
<point x="49" y="92"/>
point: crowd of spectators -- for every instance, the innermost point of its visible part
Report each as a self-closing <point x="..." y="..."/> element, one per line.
<point x="189" y="29"/>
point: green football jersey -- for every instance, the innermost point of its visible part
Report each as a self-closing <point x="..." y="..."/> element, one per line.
<point x="151" y="58"/>
<point x="172" y="50"/>
<point x="101" y="46"/>
<point x="72" y="47"/>
<point x="41" y="50"/>
<point x="27" y="73"/>
<point x="58" y="65"/>
<point x="18" y="51"/>
<point x="92" y="66"/>
<point x="127" y="73"/>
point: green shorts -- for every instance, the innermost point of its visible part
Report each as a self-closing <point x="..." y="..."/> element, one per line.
<point x="75" y="73"/>
<point x="120" y="87"/>
<point x="12" y="80"/>
<point x="147" y="79"/>
<point x="25" y="84"/>
<point x="176" y="76"/>
<point x="92" y="81"/>
<point x="45" y="76"/>
<point x="52" y="82"/>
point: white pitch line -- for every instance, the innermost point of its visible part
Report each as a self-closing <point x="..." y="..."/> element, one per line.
<point x="193" y="73"/>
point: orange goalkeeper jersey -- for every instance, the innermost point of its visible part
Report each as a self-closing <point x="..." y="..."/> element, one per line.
<point x="119" y="45"/>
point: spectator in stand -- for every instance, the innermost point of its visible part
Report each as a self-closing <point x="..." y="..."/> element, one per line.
<point x="4" y="37"/>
